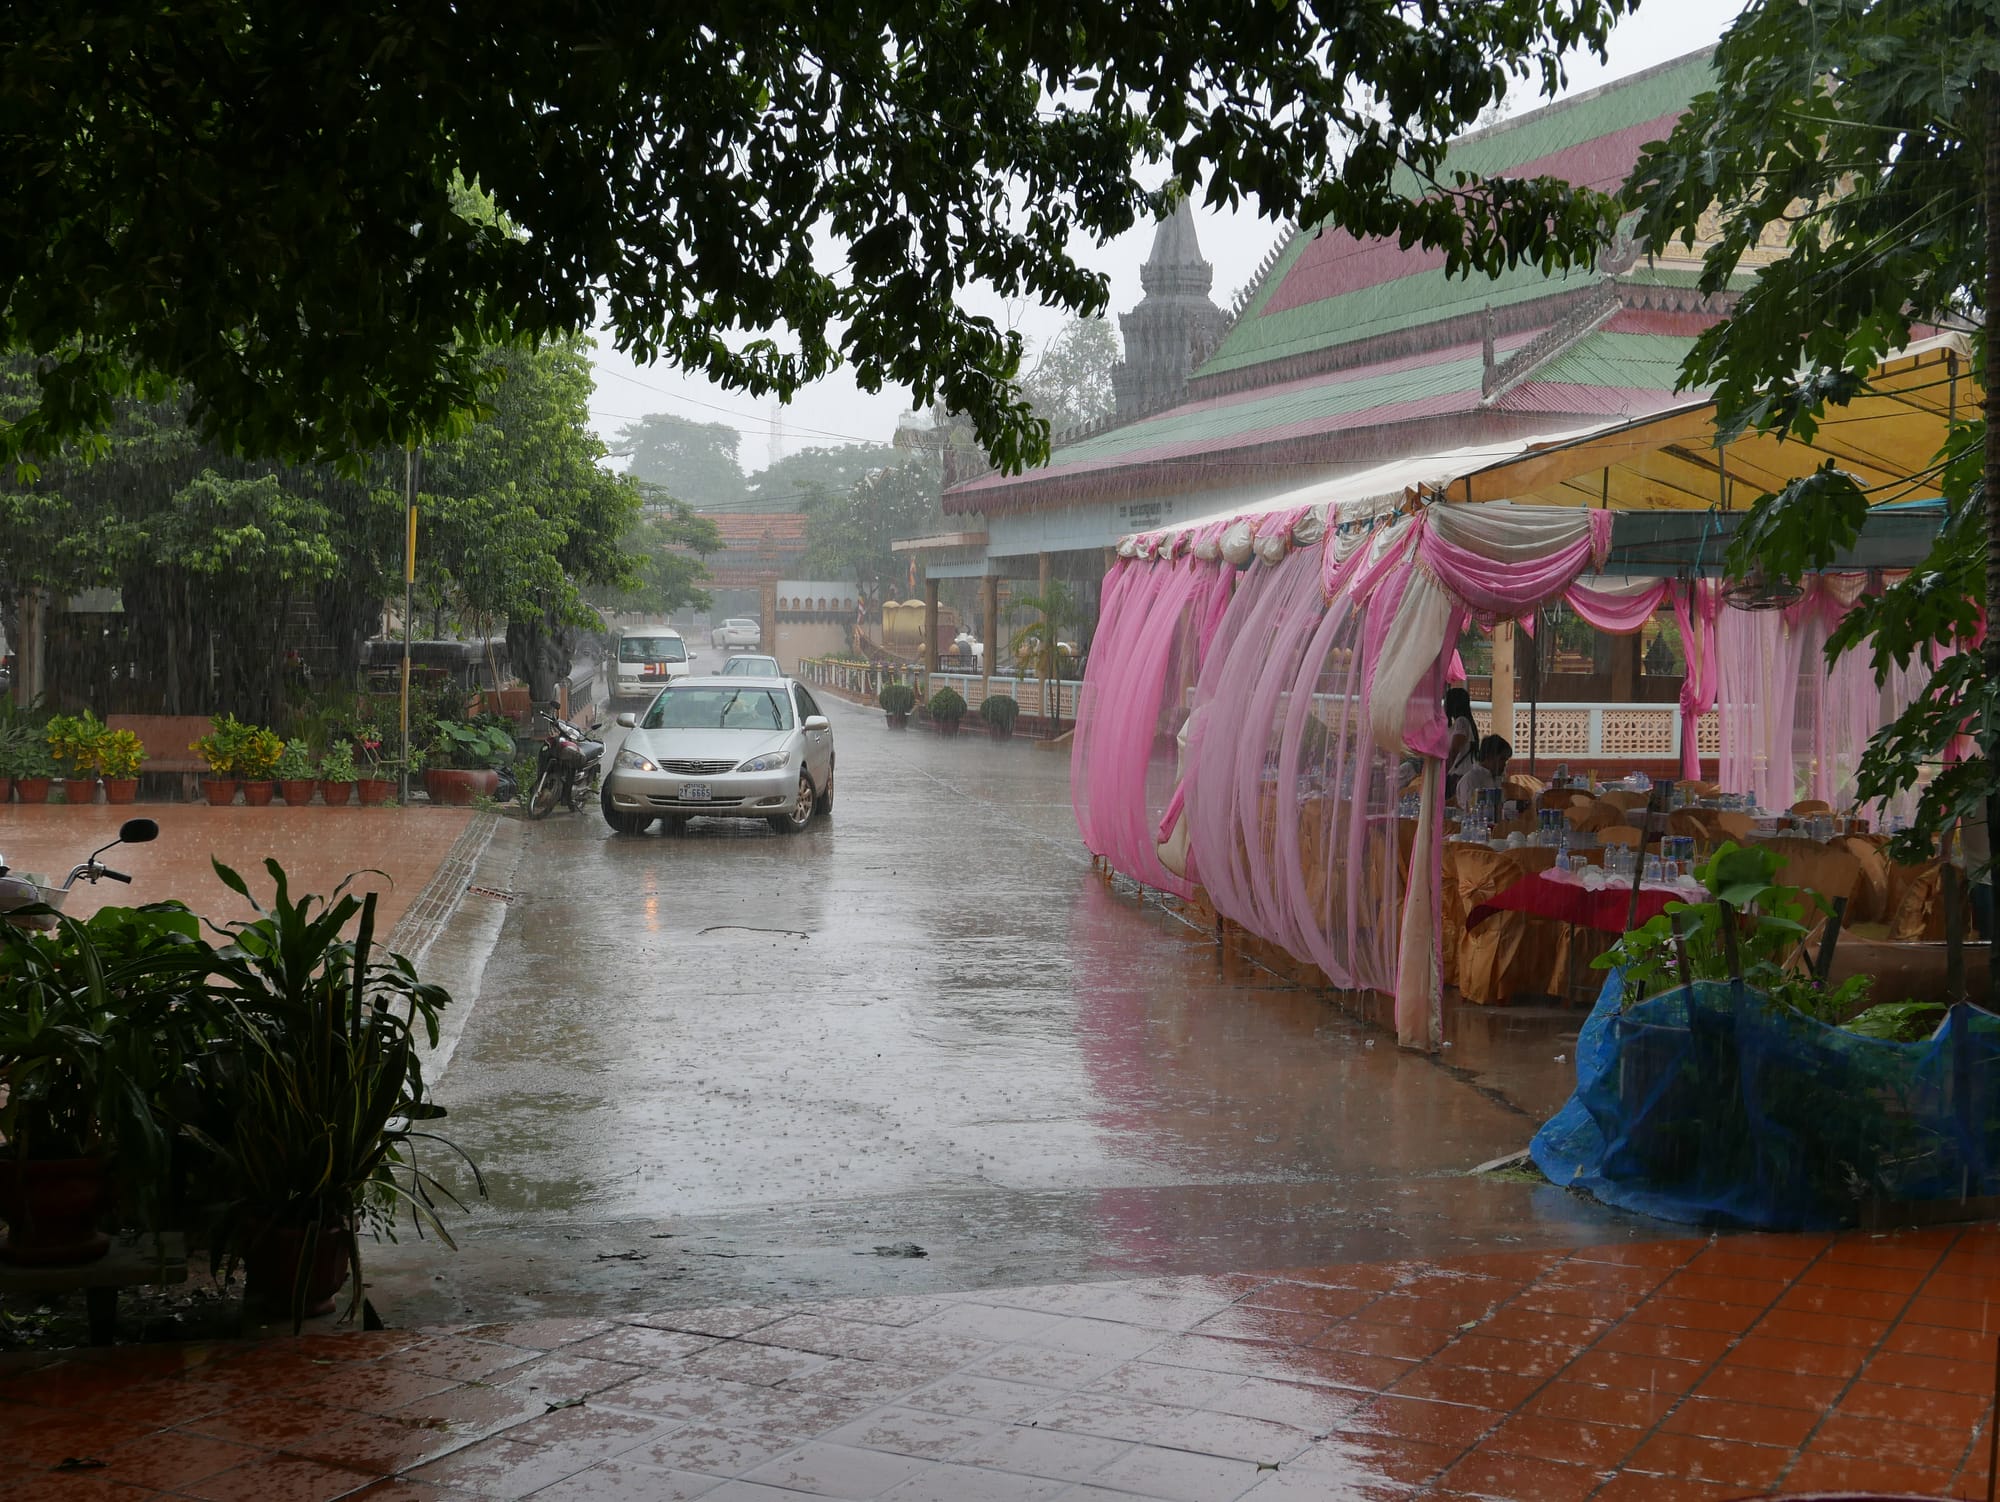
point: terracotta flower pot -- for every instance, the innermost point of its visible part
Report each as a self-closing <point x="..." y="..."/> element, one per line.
<point x="219" y="791"/>
<point x="79" y="790"/>
<point x="32" y="789"/>
<point x="1001" y="732"/>
<point x="271" y="1269"/>
<point x="334" y="794"/>
<point x="899" y="722"/>
<point x="259" y="794"/>
<point x="456" y="787"/>
<point x="375" y="791"/>
<point x="946" y="727"/>
<point x="121" y="790"/>
<point x="297" y="791"/>
<point x="51" y="1206"/>
<point x="6" y="788"/>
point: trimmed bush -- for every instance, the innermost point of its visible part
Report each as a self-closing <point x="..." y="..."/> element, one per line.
<point x="999" y="711"/>
<point x="897" y="698"/>
<point x="947" y="704"/>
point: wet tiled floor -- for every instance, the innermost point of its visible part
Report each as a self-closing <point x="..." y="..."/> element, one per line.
<point x="390" y="851"/>
<point x="1682" y="1369"/>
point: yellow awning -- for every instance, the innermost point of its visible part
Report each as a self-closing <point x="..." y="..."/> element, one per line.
<point x="1887" y="439"/>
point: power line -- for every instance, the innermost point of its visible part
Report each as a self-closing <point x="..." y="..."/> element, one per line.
<point x="762" y="422"/>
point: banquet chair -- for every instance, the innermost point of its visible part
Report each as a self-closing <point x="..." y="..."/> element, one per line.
<point x="1870" y="903"/>
<point x="1522" y="788"/>
<point x="1624" y="801"/>
<point x="1618" y="834"/>
<point x="1510" y="953"/>
<point x="1811" y="806"/>
<point x="1736" y="826"/>
<point x="1827" y="870"/>
<point x="1555" y="798"/>
<point x="1593" y="816"/>
<point x="1701" y="789"/>
<point x="1696" y="828"/>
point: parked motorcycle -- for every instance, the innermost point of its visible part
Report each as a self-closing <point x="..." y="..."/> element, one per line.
<point x="567" y="767"/>
<point x="17" y="892"/>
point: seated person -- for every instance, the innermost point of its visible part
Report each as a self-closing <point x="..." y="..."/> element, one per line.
<point x="1490" y="772"/>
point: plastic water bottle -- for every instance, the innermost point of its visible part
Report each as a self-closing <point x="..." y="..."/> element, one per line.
<point x="1562" y="859"/>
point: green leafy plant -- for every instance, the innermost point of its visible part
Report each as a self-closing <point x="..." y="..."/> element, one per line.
<point x="947" y="704"/>
<point x="258" y="753"/>
<point x="73" y="740"/>
<point x="312" y="1111"/>
<point x="999" y="711"/>
<point x="120" y="754"/>
<point x="1767" y="919"/>
<point x="98" y="1019"/>
<point x="897" y="698"/>
<point x="223" y="744"/>
<point x="366" y="742"/>
<point x="338" y="764"/>
<point x="471" y="745"/>
<point x="294" y="763"/>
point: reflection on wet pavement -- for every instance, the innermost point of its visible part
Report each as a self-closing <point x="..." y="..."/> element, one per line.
<point x="731" y="1064"/>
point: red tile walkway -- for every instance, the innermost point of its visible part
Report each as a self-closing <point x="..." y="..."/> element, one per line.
<point x="1682" y="1369"/>
<point x="317" y="846"/>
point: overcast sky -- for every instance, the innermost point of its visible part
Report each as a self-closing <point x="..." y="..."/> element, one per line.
<point x="834" y="411"/>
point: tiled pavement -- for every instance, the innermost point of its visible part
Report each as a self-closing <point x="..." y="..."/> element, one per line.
<point x="1681" y="1369"/>
<point x="391" y="851"/>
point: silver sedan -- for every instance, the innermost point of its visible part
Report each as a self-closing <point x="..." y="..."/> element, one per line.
<point x="728" y="748"/>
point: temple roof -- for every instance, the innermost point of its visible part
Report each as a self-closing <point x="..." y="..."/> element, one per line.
<point x="1354" y="352"/>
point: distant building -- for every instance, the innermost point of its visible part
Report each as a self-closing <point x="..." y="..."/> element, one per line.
<point x="1175" y="326"/>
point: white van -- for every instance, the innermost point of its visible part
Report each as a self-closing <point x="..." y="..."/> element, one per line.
<point x="645" y="660"/>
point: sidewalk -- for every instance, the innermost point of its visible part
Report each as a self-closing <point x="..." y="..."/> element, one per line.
<point x="318" y="847"/>
<point x="1678" y="1369"/>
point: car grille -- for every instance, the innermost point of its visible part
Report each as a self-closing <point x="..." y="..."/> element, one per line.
<point x="697" y="768"/>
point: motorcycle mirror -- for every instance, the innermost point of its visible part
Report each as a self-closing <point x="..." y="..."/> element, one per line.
<point x="628" y="720"/>
<point x="138" y="832"/>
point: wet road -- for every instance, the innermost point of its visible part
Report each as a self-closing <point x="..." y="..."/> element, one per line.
<point x="731" y="1065"/>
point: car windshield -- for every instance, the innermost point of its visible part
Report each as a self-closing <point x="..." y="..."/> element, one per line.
<point x="652" y="649"/>
<point x="751" y="667"/>
<point x="714" y="708"/>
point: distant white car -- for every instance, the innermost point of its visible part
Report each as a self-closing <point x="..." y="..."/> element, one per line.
<point x="751" y="665"/>
<point x="737" y="632"/>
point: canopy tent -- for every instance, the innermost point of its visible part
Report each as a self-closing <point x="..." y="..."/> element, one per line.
<point x="1264" y="678"/>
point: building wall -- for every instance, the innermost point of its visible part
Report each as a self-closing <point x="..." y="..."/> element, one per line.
<point x="799" y="639"/>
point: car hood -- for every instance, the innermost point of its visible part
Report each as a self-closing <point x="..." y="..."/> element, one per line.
<point x="707" y="745"/>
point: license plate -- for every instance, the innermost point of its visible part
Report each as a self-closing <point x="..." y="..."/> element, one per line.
<point x="694" y="792"/>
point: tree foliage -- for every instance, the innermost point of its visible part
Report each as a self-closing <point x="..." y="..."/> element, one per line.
<point x="258" y="202"/>
<point x="1071" y="382"/>
<point x="797" y="478"/>
<point x="666" y="547"/>
<point x="849" y="534"/>
<point x="692" y="461"/>
<point x="1852" y="136"/>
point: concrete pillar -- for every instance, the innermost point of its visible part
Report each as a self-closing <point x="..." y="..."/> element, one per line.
<point x="930" y="625"/>
<point x="1044" y="572"/>
<point x="989" y="613"/>
<point x="767" y="617"/>
<point x="1503" y="679"/>
<point x="31" y="651"/>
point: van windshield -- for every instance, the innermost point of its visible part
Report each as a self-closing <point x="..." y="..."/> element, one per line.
<point x="652" y="649"/>
<point x="709" y="708"/>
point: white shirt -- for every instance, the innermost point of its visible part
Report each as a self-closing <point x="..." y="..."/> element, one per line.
<point x="1471" y="784"/>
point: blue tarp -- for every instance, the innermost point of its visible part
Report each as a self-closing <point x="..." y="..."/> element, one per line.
<point x="1710" y="1105"/>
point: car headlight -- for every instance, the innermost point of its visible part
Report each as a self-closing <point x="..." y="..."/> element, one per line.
<point x="632" y="761"/>
<point x="770" y="761"/>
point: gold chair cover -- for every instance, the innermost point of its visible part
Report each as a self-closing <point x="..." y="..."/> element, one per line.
<point x="1509" y="954"/>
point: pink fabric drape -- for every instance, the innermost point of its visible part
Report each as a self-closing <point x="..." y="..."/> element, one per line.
<point x="1698" y="685"/>
<point x="1494" y="587"/>
<point x="1617" y="611"/>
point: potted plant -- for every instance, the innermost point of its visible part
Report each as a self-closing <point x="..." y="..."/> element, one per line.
<point x="947" y="708"/>
<point x="34" y="771"/>
<point x="257" y="757"/>
<point x="295" y="774"/>
<point x="376" y="786"/>
<point x="219" y="749"/>
<point x="97" y="1021"/>
<point x="73" y="741"/>
<point x="120" y="754"/>
<point x="897" y="700"/>
<point x="463" y="759"/>
<point x="20" y="743"/>
<point x="312" y="1112"/>
<point x="337" y="775"/>
<point x="999" y="713"/>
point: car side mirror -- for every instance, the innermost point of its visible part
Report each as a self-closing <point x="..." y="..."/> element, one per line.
<point x="629" y="720"/>
<point x="818" y="722"/>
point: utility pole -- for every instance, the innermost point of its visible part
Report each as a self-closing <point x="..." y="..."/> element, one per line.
<point x="409" y="599"/>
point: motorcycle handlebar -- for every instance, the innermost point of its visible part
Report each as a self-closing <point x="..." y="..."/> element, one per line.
<point x="115" y="875"/>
